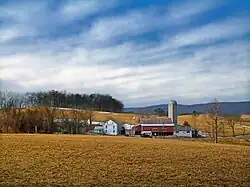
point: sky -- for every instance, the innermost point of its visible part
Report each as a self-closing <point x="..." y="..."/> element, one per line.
<point x="142" y="52"/>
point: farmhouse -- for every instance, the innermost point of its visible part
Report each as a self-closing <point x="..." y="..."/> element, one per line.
<point x="112" y="127"/>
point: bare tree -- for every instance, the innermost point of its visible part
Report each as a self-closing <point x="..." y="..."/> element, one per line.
<point x="222" y="128"/>
<point x="65" y="121"/>
<point x="231" y="122"/>
<point x="49" y="114"/>
<point x="6" y="105"/>
<point x="213" y="118"/>
<point x="34" y="119"/>
<point x="90" y="115"/>
<point x="244" y="130"/>
<point x="194" y="117"/>
<point x="77" y="117"/>
<point x="16" y="118"/>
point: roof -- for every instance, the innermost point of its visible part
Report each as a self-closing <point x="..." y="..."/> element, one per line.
<point x="158" y="125"/>
<point x="93" y="127"/>
<point x="90" y="127"/>
<point x="114" y="120"/>
<point x="128" y="126"/>
<point x="158" y="120"/>
<point x="183" y="127"/>
<point x="95" y="122"/>
<point x="173" y="102"/>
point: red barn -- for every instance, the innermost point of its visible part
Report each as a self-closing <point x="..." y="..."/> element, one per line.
<point x="155" y="127"/>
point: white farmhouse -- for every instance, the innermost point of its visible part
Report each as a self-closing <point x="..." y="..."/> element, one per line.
<point x="112" y="127"/>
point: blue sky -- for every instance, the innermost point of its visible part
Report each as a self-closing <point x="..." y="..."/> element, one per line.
<point x="142" y="52"/>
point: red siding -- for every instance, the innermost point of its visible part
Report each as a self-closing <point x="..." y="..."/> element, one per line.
<point x="158" y="129"/>
<point x="138" y="128"/>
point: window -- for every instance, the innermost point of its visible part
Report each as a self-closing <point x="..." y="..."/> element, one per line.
<point x="106" y="131"/>
<point x="113" y="131"/>
<point x="113" y="126"/>
<point x="106" y="126"/>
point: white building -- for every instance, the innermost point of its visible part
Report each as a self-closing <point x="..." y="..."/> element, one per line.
<point x="183" y="131"/>
<point x="112" y="127"/>
<point x="129" y="129"/>
<point x="95" y="122"/>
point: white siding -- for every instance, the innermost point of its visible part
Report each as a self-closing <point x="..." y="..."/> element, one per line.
<point x="111" y="128"/>
<point x="187" y="134"/>
<point x="128" y="126"/>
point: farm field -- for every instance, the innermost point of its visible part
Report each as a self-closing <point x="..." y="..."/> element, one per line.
<point x="203" y="126"/>
<point x="77" y="160"/>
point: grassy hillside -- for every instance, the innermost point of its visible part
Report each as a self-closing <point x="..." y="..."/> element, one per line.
<point x="122" y="117"/>
<point x="75" y="160"/>
<point x="203" y="126"/>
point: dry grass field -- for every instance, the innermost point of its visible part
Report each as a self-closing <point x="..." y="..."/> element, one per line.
<point x="203" y="126"/>
<point x="75" y="160"/>
<point x="122" y="117"/>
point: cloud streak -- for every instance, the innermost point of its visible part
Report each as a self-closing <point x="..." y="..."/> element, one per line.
<point x="133" y="55"/>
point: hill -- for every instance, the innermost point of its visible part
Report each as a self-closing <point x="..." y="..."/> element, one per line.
<point x="76" y="160"/>
<point x="230" y="108"/>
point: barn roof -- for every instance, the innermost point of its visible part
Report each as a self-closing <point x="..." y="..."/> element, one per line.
<point x="155" y="121"/>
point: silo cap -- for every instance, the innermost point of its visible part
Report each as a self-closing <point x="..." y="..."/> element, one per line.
<point x="173" y="101"/>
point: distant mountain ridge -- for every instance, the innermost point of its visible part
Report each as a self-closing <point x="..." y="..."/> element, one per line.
<point x="225" y="108"/>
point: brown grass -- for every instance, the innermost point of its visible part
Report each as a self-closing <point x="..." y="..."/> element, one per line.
<point x="68" y="160"/>
<point x="203" y="126"/>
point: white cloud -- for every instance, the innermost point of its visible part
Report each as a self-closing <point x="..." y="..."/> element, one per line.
<point x="214" y="32"/>
<point x="131" y="23"/>
<point x="9" y="34"/>
<point x="23" y="19"/>
<point x="190" y="9"/>
<point x="76" y="9"/>
<point x="138" y="73"/>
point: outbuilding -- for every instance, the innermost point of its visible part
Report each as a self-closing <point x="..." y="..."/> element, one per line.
<point x="129" y="129"/>
<point x="183" y="131"/>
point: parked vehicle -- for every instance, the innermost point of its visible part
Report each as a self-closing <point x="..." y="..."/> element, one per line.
<point x="146" y="135"/>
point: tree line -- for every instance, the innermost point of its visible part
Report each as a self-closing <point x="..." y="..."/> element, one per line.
<point x="62" y="99"/>
<point x="41" y="112"/>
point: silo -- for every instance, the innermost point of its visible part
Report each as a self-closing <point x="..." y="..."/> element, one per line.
<point x="172" y="111"/>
